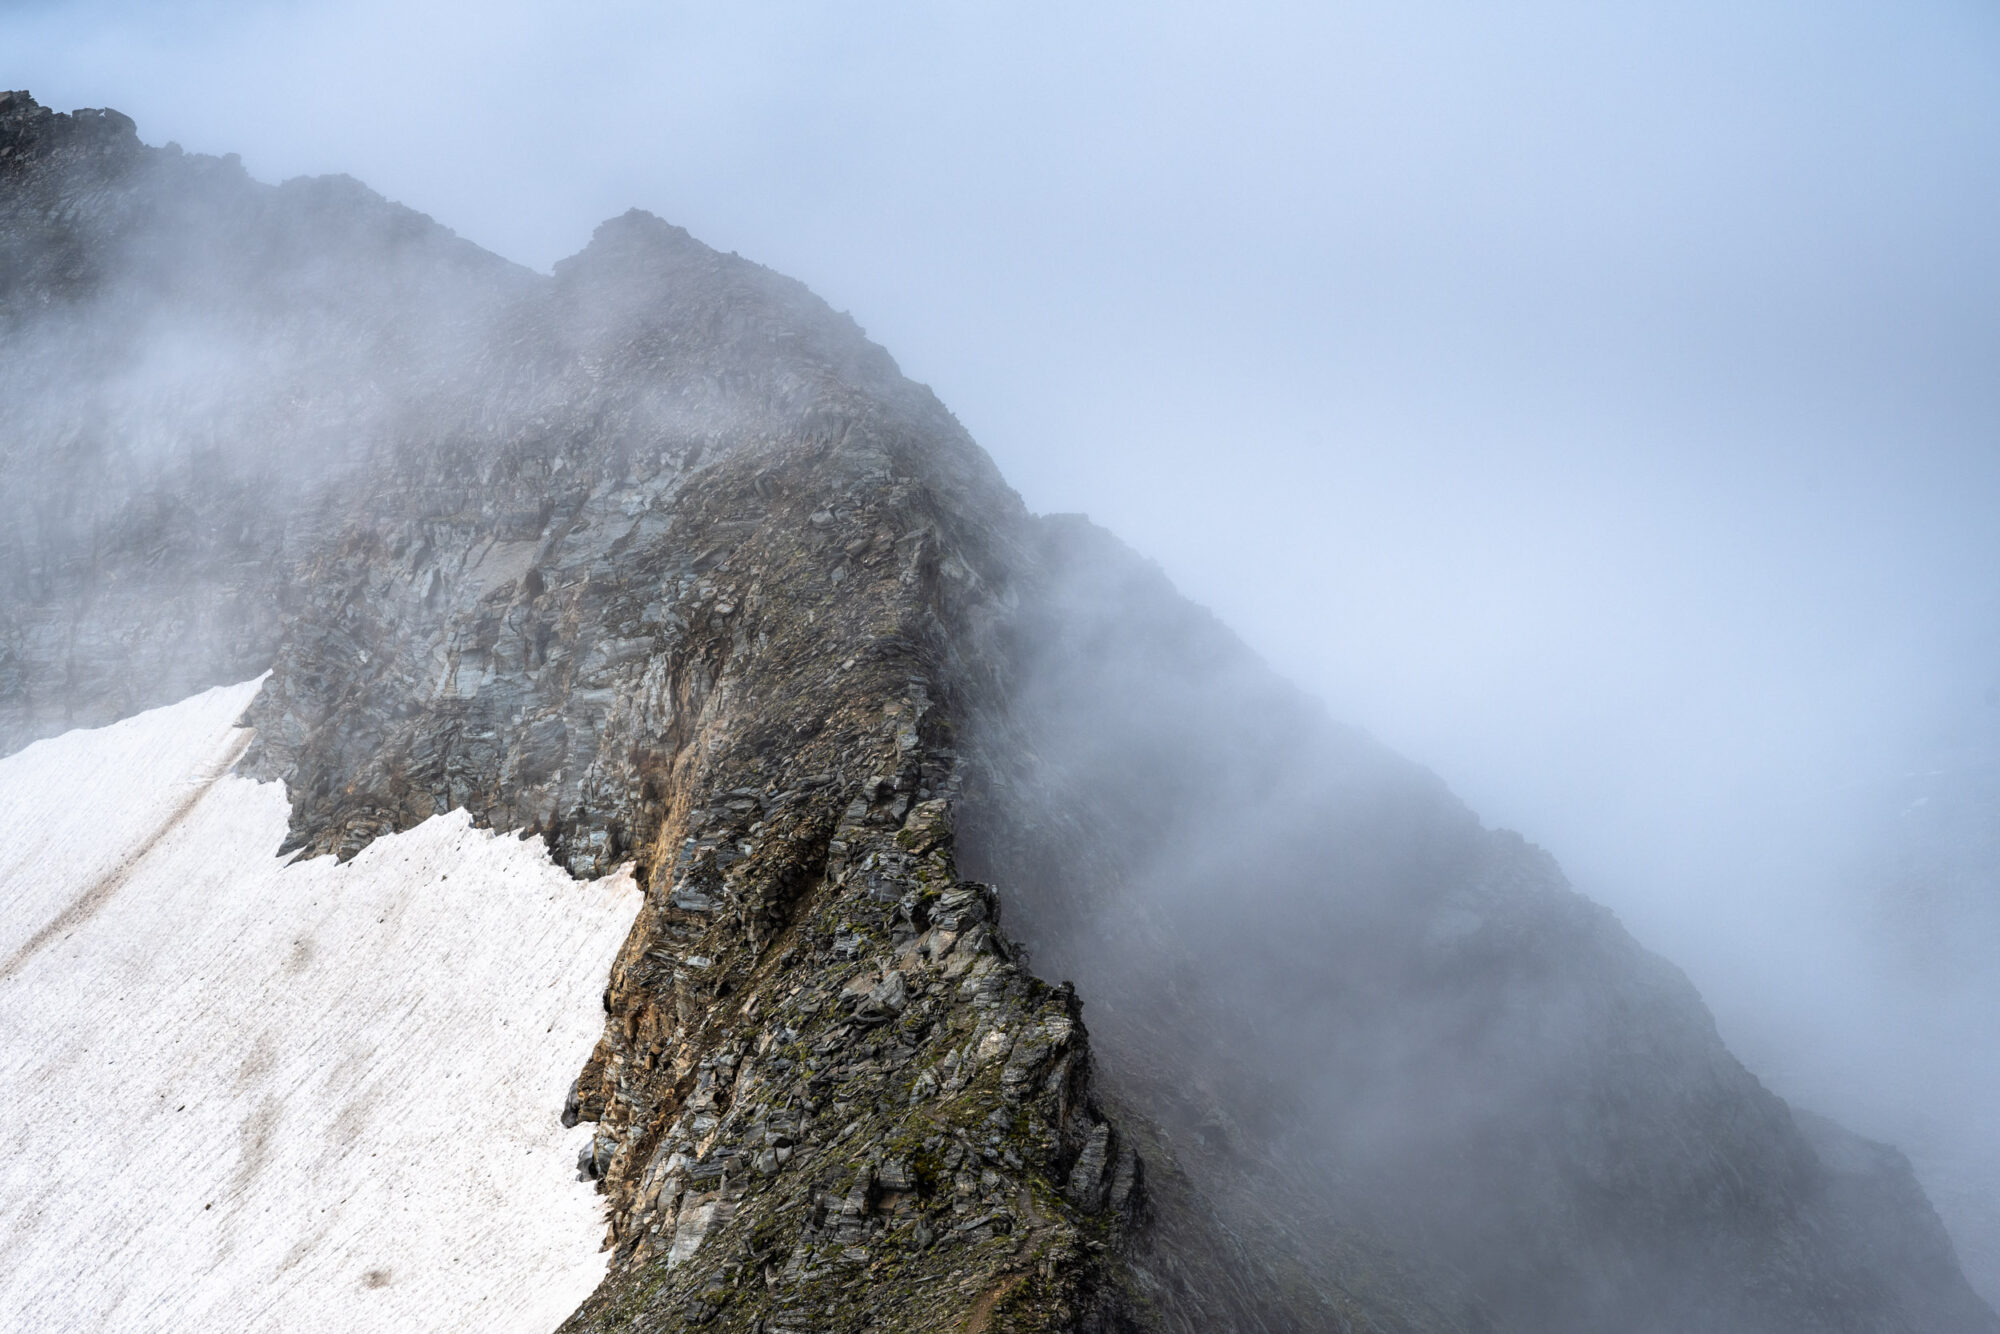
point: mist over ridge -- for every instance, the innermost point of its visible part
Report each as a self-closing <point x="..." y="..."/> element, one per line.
<point x="1741" y="695"/>
<point x="1624" y="373"/>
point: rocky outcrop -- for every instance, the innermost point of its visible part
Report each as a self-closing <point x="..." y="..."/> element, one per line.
<point x="661" y="558"/>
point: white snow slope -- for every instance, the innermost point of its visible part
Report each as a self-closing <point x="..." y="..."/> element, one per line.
<point x="242" y="1096"/>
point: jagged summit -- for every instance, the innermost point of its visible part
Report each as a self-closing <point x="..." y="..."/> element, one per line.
<point x="659" y="558"/>
<point x="638" y="237"/>
<point x="31" y="130"/>
<point x="645" y="286"/>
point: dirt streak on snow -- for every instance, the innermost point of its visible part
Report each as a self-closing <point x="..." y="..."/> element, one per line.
<point x="238" y="1095"/>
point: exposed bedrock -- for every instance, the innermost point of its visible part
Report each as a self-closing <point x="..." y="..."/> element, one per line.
<point x="659" y="557"/>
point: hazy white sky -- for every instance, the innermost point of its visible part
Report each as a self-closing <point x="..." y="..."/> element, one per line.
<point x="1598" y="402"/>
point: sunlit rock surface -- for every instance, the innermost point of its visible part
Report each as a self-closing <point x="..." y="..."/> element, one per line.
<point x="242" y="1095"/>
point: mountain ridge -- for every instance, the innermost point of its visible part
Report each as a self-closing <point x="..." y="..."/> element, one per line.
<point x="660" y="558"/>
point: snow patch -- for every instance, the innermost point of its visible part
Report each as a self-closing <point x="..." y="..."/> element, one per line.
<point x="241" y="1095"/>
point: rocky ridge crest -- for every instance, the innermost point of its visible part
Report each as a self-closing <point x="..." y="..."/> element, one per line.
<point x="660" y="557"/>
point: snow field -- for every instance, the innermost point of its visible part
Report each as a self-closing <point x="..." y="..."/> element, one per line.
<point x="242" y="1096"/>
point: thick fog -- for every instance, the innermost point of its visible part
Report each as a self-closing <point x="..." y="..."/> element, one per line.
<point x="1595" y="404"/>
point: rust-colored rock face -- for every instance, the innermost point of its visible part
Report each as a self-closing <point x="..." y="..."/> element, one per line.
<point x="660" y="558"/>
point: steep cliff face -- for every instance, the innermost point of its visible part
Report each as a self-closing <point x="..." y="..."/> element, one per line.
<point x="660" y="558"/>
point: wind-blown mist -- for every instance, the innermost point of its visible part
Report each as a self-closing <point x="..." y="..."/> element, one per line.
<point x="1596" y="407"/>
<point x="180" y="406"/>
<point x="1352" y="1009"/>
